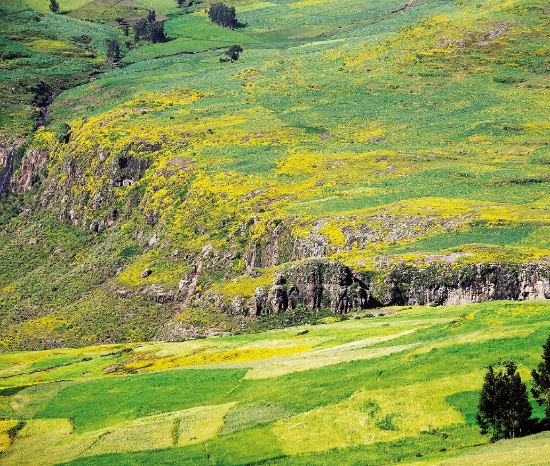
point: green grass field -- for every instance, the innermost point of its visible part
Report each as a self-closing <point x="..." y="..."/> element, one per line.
<point x="42" y="53"/>
<point x="402" y="387"/>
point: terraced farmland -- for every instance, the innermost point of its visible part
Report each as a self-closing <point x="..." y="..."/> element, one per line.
<point x="401" y="386"/>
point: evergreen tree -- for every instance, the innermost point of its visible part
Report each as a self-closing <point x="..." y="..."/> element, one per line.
<point x="149" y="29"/>
<point x="541" y="379"/>
<point x="504" y="409"/>
<point x="155" y="31"/>
<point x="223" y="15"/>
<point x="140" y="29"/>
<point x="487" y="417"/>
<point x="518" y="410"/>
<point x="54" y="6"/>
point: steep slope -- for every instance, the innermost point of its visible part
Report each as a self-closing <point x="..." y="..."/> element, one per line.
<point x="372" y="135"/>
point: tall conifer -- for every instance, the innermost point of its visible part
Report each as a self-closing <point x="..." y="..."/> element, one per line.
<point x="504" y="409"/>
<point x="541" y="379"/>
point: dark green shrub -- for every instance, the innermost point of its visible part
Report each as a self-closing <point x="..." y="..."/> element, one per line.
<point x="223" y="15"/>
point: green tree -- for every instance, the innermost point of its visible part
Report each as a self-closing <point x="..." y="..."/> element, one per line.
<point x="223" y="15"/>
<point x="541" y="379"/>
<point x="487" y="417"/>
<point x="233" y="53"/>
<point x="140" y="29"/>
<point x="54" y="6"/>
<point x="504" y="409"/>
<point x="156" y="32"/>
<point x="149" y="29"/>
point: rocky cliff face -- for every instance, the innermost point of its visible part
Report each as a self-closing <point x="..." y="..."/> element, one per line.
<point x="5" y="152"/>
<point x="273" y="248"/>
<point x="7" y="156"/>
<point x="322" y="283"/>
<point x="32" y="165"/>
<point x="313" y="284"/>
<point x="443" y="285"/>
<point x="278" y="244"/>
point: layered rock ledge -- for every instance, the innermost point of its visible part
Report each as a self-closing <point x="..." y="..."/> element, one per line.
<point x="322" y="283"/>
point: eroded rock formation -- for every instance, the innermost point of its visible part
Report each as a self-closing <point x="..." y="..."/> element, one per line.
<point x="322" y="283"/>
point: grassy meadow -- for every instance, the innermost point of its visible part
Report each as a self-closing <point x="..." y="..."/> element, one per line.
<point x="42" y="53"/>
<point x="336" y="123"/>
<point x="401" y="386"/>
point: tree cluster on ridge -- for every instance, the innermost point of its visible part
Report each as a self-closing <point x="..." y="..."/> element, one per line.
<point x="149" y="29"/>
<point x="223" y="15"/>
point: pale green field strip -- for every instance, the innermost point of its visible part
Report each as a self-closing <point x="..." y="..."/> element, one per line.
<point x="533" y="450"/>
<point x="50" y="441"/>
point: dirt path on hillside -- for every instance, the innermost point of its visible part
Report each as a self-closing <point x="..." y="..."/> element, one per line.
<point x="408" y="5"/>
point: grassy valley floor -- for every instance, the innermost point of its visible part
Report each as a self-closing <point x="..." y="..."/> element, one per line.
<point x="401" y="386"/>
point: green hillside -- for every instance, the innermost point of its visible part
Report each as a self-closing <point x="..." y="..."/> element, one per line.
<point x="217" y="261"/>
<point x="370" y="134"/>
<point x="400" y="386"/>
<point x="42" y="53"/>
<point x="415" y="136"/>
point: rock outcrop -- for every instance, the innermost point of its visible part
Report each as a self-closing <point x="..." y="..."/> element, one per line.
<point x="443" y="285"/>
<point x="273" y="248"/>
<point x="126" y="170"/>
<point x="321" y="283"/>
<point x="7" y="155"/>
<point x="32" y="165"/>
<point x="313" y="284"/>
<point x="276" y="243"/>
